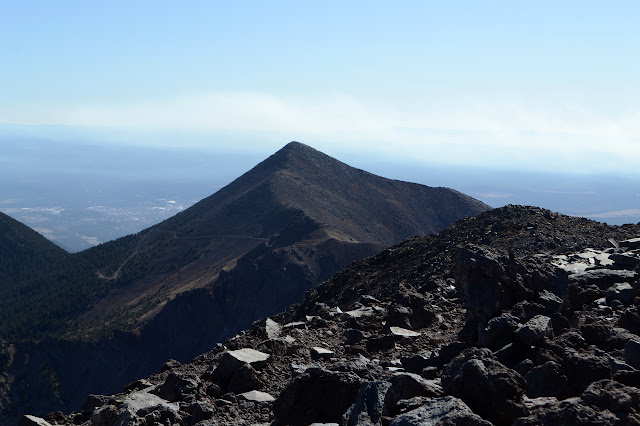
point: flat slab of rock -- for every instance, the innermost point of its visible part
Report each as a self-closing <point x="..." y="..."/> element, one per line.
<point x="257" y="396"/>
<point x="272" y="329"/>
<point x="633" y="243"/>
<point x="573" y="267"/>
<point x="295" y="324"/>
<point x="366" y="311"/>
<point x="603" y="278"/>
<point x="250" y="356"/>
<point x="403" y="332"/>
<point x="232" y="361"/>
<point x="320" y="353"/>
<point x="620" y="291"/>
<point x="29" y="420"/>
<point x="138" y="401"/>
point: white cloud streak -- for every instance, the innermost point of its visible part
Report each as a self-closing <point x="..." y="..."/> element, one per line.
<point x="462" y="131"/>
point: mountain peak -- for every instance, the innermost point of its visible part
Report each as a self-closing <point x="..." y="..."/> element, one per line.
<point x="298" y="152"/>
<point x="296" y="146"/>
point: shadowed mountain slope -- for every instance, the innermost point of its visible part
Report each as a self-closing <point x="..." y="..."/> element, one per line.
<point x="23" y="251"/>
<point x="296" y="195"/>
<point x="515" y="316"/>
<point x="178" y="288"/>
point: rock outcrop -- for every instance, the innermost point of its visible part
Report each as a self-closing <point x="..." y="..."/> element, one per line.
<point x="537" y="352"/>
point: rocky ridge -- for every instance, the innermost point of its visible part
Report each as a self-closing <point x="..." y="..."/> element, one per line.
<point x="517" y="316"/>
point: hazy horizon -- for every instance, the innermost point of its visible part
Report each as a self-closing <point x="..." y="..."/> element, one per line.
<point x="510" y="102"/>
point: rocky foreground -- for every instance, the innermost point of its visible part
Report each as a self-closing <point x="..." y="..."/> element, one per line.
<point x="518" y="316"/>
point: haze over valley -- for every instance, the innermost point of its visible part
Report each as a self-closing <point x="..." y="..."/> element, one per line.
<point x="82" y="194"/>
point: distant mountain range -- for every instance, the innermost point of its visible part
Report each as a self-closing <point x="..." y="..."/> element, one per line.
<point x="92" y="321"/>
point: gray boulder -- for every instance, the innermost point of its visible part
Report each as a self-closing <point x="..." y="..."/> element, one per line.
<point x="552" y="303"/>
<point x="244" y="379"/>
<point x="409" y="385"/>
<point x="623" y="401"/>
<point x="498" y="331"/>
<point x="605" y="402"/>
<point x="200" y="411"/>
<point x="602" y="278"/>
<point x="630" y="319"/>
<point x="316" y="396"/>
<point x="368" y="408"/>
<point x="624" y="260"/>
<point x="417" y="362"/>
<point x="571" y="411"/>
<point x="535" y="330"/>
<point x="584" y="368"/>
<point x="491" y="283"/>
<point x="233" y="361"/>
<point x="632" y="353"/>
<point x="620" y="291"/>
<point x="548" y="379"/>
<point x="492" y="390"/>
<point x="353" y="336"/>
<point x="440" y="411"/>
<point x="176" y="387"/>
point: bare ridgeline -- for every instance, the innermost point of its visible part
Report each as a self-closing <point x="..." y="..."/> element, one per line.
<point x="516" y="316"/>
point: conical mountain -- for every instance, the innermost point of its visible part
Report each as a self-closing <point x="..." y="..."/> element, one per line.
<point x="296" y="195"/>
<point x="362" y="206"/>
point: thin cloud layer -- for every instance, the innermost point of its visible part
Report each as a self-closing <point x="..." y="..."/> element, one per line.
<point x="462" y="131"/>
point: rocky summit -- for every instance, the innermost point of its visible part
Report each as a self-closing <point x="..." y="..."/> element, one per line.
<point x="516" y="316"/>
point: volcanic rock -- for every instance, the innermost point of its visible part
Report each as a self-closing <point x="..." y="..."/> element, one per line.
<point x="316" y="396"/>
<point x="585" y="368"/>
<point x="632" y="353"/>
<point x="440" y="411"/>
<point x="498" y="331"/>
<point x="548" y="379"/>
<point x="176" y="387"/>
<point x="491" y="390"/>
<point x="369" y="407"/>
<point x="620" y="291"/>
<point x="407" y="386"/>
<point x="563" y="358"/>
<point x="534" y="330"/>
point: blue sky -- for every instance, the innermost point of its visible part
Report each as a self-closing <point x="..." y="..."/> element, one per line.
<point x="527" y="85"/>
